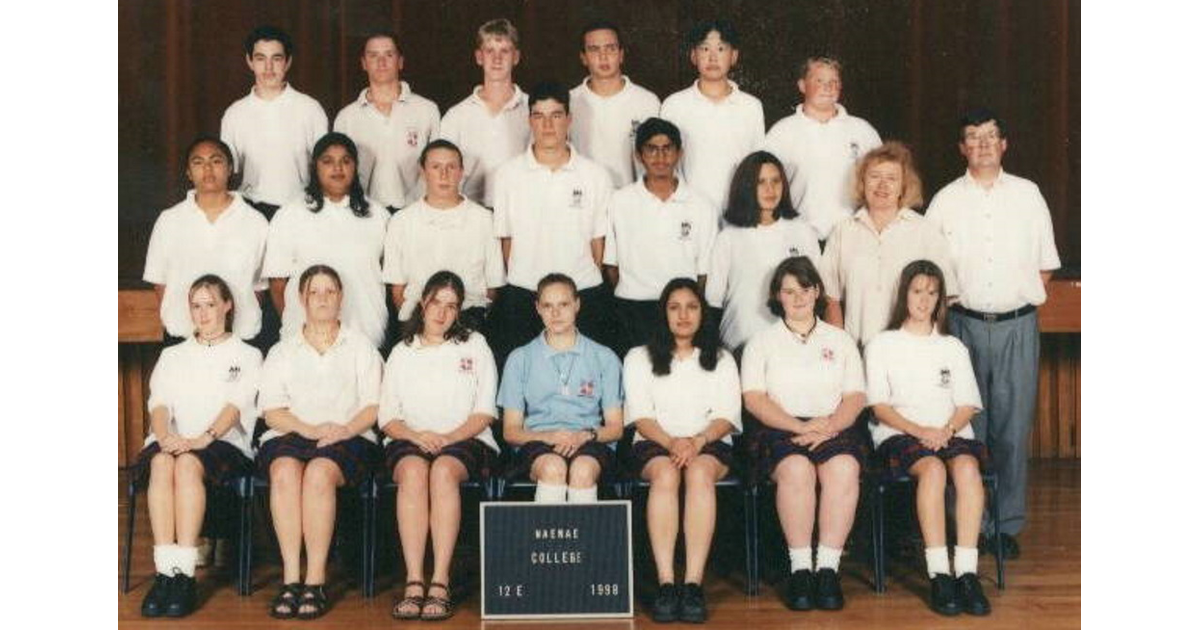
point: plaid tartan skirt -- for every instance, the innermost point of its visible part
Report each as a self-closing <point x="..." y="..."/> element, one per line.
<point x="478" y="458"/>
<point x="642" y="452"/>
<point x="222" y="461"/>
<point x="774" y="445"/>
<point x="530" y="451"/>
<point x="358" y="458"/>
<point x="900" y="452"/>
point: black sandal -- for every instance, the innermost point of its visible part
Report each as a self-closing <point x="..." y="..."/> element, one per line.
<point x="409" y="600"/>
<point x="444" y="602"/>
<point x="287" y="601"/>
<point x="314" y="597"/>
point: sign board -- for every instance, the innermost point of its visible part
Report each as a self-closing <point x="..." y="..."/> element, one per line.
<point x="555" y="560"/>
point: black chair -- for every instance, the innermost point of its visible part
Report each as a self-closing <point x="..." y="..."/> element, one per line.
<point x="234" y="488"/>
<point x="880" y="486"/>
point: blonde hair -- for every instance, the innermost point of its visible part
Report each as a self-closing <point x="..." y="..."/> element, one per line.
<point x="499" y="28"/>
<point x="823" y="61"/>
<point x="910" y="180"/>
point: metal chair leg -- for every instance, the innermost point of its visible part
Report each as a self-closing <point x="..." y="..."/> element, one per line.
<point x="750" y="523"/>
<point x="879" y="537"/>
<point x="366" y="509"/>
<point x="245" y="532"/>
<point x="370" y="544"/>
<point x="130" y="520"/>
<point x="248" y="550"/>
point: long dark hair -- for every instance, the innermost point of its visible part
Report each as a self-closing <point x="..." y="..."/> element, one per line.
<point x="212" y="281"/>
<point x="743" y="210"/>
<point x="416" y="324"/>
<point x="900" y="306"/>
<point x="235" y="176"/>
<point x="314" y="197"/>
<point x="661" y="345"/>
<point x="805" y="272"/>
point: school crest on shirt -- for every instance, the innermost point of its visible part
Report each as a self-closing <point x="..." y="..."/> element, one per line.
<point x="685" y="230"/>
<point x="854" y="150"/>
<point x="793" y="252"/>
<point x="827" y="354"/>
<point x="577" y="198"/>
<point x="633" y="127"/>
<point x="466" y="365"/>
<point x="944" y="377"/>
<point x="412" y="137"/>
<point x="587" y="389"/>
<point x="233" y="374"/>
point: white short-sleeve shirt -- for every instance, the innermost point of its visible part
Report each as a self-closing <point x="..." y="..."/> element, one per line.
<point x="819" y="159"/>
<point x="436" y="388"/>
<point x="653" y="241"/>
<point x="739" y="276"/>
<point x="807" y="379"/>
<point x="195" y="382"/>
<point x="423" y="240"/>
<point x="351" y="245"/>
<point x="185" y="246"/>
<point x="551" y="217"/>
<point x="604" y="127"/>
<point x="923" y="377"/>
<point x="685" y="401"/>
<point x="717" y="135"/>
<point x="272" y="141"/>
<point x="389" y="145"/>
<point x="486" y="140"/>
<point x="1000" y="239"/>
<point x="861" y="267"/>
<point x="319" y="388"/>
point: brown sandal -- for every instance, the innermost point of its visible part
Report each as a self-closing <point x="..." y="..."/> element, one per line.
<point x="433" y="600"/>
<point x="409" y="600"/>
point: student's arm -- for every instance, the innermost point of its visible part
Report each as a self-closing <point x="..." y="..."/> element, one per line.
<point x="833" y="313"/>
<point x="506" y="250"/>
<point x="278" y="289"/>
<point x="398" y="295"/>
<point x="284" y="421"/>
<point x="225" y="420"/>
<point x="598" y="251"/>
<point x="931" y="437"/>
<point x="754" y="391"/>
<point x="613" y="275"/>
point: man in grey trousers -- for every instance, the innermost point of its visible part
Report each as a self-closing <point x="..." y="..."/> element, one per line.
<point x="1002" y="244"/>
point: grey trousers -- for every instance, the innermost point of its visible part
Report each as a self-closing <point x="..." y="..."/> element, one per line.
<point x="1005" y="358"/>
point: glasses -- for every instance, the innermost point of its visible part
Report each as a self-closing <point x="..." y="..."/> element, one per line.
<point x="659" y="149"/>
<point x="974" y="139"/>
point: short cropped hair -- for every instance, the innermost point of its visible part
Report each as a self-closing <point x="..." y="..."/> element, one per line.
<point x="910" y="180"/>
<point x="979" y="116"/>
<point x="550" y="90"/>
<point x="440" y="143"/>
<point x="499" y="28"/>
<point x="822" y="60"/>
<point x="556" y="278"/>
<point x="381" y="34"/>
<point x="600" y="25"/>
<point x="805" y="272"/>
<point x="657" y="126"/>
<point x="268" y="34"/>
<point x="700" y="31"/>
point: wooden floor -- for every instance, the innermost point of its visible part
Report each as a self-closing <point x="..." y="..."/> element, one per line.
<point x="1043" y="589"/>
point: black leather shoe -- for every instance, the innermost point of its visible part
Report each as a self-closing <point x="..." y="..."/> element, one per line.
<point x="943" y="598"/>
<point x="970" y="595"/>
<point x="181" y="596"/>
<point x="692" y="607"/>
<point x="800" y="590"/>
<point x="829" y="590"/>
<point x="155" y="602"/>
<point x="666" y="604"/>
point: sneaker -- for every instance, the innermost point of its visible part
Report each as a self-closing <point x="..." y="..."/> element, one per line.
<point x="800" y="590"/>
<point x="970" y="595"/>
<point x="692" y="607"/>
<point x="829" y="590"/>
<point x="181" y="596"/>
<point x="943" y="598"/>
<point x="666" y="604"/>
<point x="155" y="602"/>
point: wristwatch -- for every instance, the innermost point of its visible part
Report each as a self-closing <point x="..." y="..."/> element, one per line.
<point x="594" y="434"/>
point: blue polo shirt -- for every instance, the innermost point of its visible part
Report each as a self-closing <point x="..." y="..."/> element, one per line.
<point x="561" y="389"/>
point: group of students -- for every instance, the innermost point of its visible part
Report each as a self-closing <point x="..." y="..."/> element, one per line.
<point x="735" y="275"/>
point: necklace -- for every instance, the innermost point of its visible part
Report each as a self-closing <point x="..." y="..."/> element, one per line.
<point x="803" y="335"/>
<point x="565" y="378"/>
<point x="212" y="341"/>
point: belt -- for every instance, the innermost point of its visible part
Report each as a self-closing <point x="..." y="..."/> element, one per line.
<point x="994" y="317"/>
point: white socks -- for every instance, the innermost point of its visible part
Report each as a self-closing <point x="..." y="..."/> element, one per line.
<point x="966" y="560"/>
<point x="801" y="558"/>
<point x="581" y="495"/>
<point x="937" y="560"/>
<point x="828" y="558"/>
<point x="550" y="493"/>
<point x="168" y="559"/>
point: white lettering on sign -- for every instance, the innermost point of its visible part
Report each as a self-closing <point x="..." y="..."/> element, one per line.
<point x="556" y="557"/>
<point x="556" y="533"/>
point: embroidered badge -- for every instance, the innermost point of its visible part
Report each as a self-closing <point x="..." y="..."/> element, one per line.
<point x="827" y="354"/>
<point x="587" y="389"/>
<point x="685" y="230"/>
<point x="945" y="377"/>
<point x="466" y="365"/>
<point x="793" y="252"/>
<point x="577" y="198"/>
<point x="633" y="127"/>
<point x="412" y="137"/>
<point x="854" y="150"/>
<point x="235" y="372"/>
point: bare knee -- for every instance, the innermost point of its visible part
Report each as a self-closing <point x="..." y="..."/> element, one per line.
<point x="965" y="471"/>
<point x="839" y="474"/>
<point x="700" y="474"/>
<point x="663" y="475"/>
<point x="584" y="472"/>
<point x="188" y="469"/>
<point x="795" y="472"/>
<point x="286" y="473"/>
<point x="162" y="467"/>
<point x="412" y="473"/>
<point x="321" y="475"/>
<point x="550" y="468"/>
<point x="446" y="474"/>
<point x="930" y="472"/>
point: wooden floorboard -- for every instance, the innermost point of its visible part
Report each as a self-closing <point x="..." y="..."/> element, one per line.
<point x="1043" y="585"/>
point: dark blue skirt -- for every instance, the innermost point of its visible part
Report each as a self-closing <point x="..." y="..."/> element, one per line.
<point x="478" y="458"/>
<point x="900" y="452"/>
<point x="357" y="457"/>
<point x="222" y="462"/>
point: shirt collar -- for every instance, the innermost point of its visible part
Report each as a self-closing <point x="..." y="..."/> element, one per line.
<point x="1000" y="179"/>
<point x="734" y="93"/>
<point x="287" y="92"/>
<point x="532" y="164"/>
<point x="547" y="351"/>
<point x="234" y="207"/>
<point x="405" y="92"/>
<point x="840" y="114"/>
<point x="518" y="98"/>
<point x="587" y="91"/>
<point x="298" y="339"/>
<point x="681" y="194"/>
<point x="863" y="216"/>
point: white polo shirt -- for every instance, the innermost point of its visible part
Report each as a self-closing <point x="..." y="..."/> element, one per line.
<point x="739" y="277"/>
<point x="604" y="128"/>
<point x="388" y="146"/>
<point x="923" y="377"/>
<point x="319" y="388"/>
<point x="353" y="246"/>
<point x="272" y="142"/>
<point x="1000" y="239"/>
<point x="436" y="388"/>
<point x="551" y="217"/>
<point x="486" y="141"/>
<point x="685" y="401"/>
<point x="807" y="379"/>
<point x="185" y="246"/>
<point x="195" y="382"/>
<point x="861" y="267"/>
<point x="653" y="241"/>
<point x="423" y="240"/>
<point x="819" y="159"/>
<point x="716" y="136"/>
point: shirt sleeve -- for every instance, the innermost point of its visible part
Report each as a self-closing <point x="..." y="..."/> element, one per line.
<point x="278" y="261"/>
<point x="369" y="368"/>
<point x="512" y="381"/>
<point x="448" y="127"/>
<point x="754" y="364"/>
<point x="273" y="391"/>
<point x="964" y="388"/>
<point x="830" y="266"/>
<point x="605" y="191"/>
<point x="759" y="127"/>
<point x="728" y="397"/>
<point x="493" y="260"/>
<point x="244" y="394"/>
<point x="160" y="382"/>
<point x="639" y="378"/>
<point x="391" y="407"/>
<point x="394" y="271"/>
<point x="318" y="124"/>
<point x="612" y="395"/>
<point x="610" y="234"/>
<point x="499" y="185"/>
<point x="871" y="137"/>
<point x="156" y="254"/>
<point x="706" y="237"/>
<point x="260" y="281"/>
<point x="879" y="390"/>
<point x="229" y="136"/>
<point x="939" y="253"/>
<point x="852" y="376"/>
<point x="1047" y="250"/>
<point x="718" y="271"/>
<point x="485" y="383"/>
